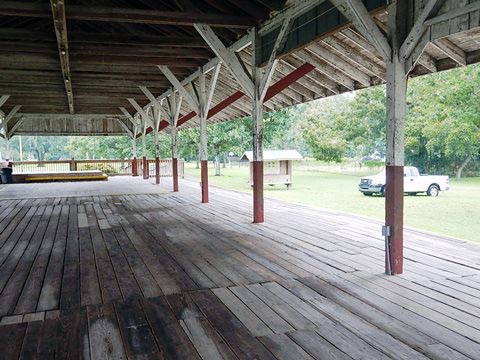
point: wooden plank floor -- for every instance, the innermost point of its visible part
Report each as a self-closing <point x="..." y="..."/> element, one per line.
<point x="161" y="276"/>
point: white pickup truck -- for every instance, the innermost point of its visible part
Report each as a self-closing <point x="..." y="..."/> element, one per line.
<point x="414" y="183"/>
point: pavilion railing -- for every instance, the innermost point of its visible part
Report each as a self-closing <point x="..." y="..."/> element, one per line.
<point x="165" y="168"/>
<point x="109" y="167"/>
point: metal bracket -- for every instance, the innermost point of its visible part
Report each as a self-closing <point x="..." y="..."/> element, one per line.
<point x="386" y="232"/>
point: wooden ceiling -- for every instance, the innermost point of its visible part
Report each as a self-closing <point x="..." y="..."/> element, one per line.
<point x="112" y="51"/>
<point x="89" y="56"/>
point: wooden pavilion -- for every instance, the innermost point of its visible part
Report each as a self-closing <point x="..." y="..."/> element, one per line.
<point x="134" y="67"/>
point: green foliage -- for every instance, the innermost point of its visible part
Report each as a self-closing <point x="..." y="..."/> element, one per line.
<point x="322" y="130"/>
<point x="189" y="142"/>
<point x="99" y="147"/>
<point x="442" y="125"/>
<point x="38" y="147"/>
<point x="373" y="164"/>
<point x="443" y="122"/>
<point x="106" y="168"/>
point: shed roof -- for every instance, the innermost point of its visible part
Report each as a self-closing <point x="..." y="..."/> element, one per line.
<point x="269" y="155"/>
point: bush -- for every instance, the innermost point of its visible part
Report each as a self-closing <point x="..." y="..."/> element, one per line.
<point x="106" y="168"/>
<point x="373" y="164"/>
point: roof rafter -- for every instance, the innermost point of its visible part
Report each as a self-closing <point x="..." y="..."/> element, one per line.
<point x="3" y="99"/>
<point x="357" y="13"/>
<point x="419" y="28"/>
<point x="60" y="23"/>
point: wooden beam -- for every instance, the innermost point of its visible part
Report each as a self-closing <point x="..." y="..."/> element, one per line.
<point x="395" y="150"/>
<point x="125" y="127"/>
<point x="272" y="61"/>
<point x="128" y="116"/>
<point x="359" y="59"/>
<point x="145" y="117"/>
<point x="419" y="28"/>
<point x="136" y="60"/>
<point x="11" y="114"/>
<point x="119" y="39"/>
<point x="128" y="15"/>
<point x="357" y="13"/>
<point x="451" y="50"/>
<point x="327" y="69"/>
<point x="3" y="99"/>
<point x="475" y="6"/>
<point x="187" y="95"/>
<point x="273" y="90"/>
<point x="11" y="131"/>
<point x="340" y="64"/>
<point x="152" y="98"/>
<point x="228" y="57"/>
<point x="211" y="87"/>
<point x="60" y="24"/>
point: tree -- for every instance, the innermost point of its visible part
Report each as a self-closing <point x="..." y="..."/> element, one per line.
<point x="322" y="131"/>
<point x="443" y="127"/>
<point x="225" y="137"/>
<point x="189" y="142"/>
<point x="39" y="148"/>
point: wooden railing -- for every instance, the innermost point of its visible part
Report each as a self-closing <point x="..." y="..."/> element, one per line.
<point x="165" y="168"/>
<point x="109" y="167"/>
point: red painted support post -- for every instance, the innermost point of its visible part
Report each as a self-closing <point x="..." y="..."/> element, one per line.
<point x="134" y="167"/>
<point x="204" y="180"/>
<point x="394" y="218"/>
<point x="157" y="170"/>
<point x="175" y="174"/>
<point x="258" y="212"/>
<point x="397" y="77"/>
<point x="145" y="168"/>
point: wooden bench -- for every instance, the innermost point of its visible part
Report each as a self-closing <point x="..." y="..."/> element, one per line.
<point x="62" y="176"/>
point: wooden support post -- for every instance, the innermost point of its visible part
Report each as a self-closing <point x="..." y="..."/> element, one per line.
<point x="157" y="170"/>
<point x="146" y="170"/>
<point x="7" y="149"/>
<point x="258" y="203"/>
<point x="134" y="166"/>
<point x="144" y="153"/>
<point x="134" y="153"/>
<point x="257" y="90"/>
<point x="157" y="151"/>
<point x="396" y="111"/>
<point x="200" y="102"/>
<point x="204" y="159"/>
<point x="73" y="165"/>
<point x="173" y="133"/>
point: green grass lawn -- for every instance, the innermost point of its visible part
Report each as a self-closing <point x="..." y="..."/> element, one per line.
<point x="454" y="212"/>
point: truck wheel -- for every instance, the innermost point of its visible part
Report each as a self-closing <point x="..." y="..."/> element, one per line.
<point x="433" y="190"/>
<point x="382" y="191"/>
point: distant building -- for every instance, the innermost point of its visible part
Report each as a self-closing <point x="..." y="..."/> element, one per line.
<point x="277" y="166"/>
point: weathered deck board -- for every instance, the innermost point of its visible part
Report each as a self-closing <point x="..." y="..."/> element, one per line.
<point x="161" y="276"/>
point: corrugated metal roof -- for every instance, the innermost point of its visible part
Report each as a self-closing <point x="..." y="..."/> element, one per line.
<point x="269" y="155"/>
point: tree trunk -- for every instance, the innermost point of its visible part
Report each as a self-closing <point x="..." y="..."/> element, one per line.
<point x="224" y="161"/>
<point x="464" y="164"/>
<point x="197" y="166"/>
<point x="217" y="164"/>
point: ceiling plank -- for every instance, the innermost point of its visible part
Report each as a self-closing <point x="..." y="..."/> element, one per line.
<point x="128" y="15"/>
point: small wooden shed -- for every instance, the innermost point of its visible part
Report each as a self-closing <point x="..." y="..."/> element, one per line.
<point x="277" y="166"/>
